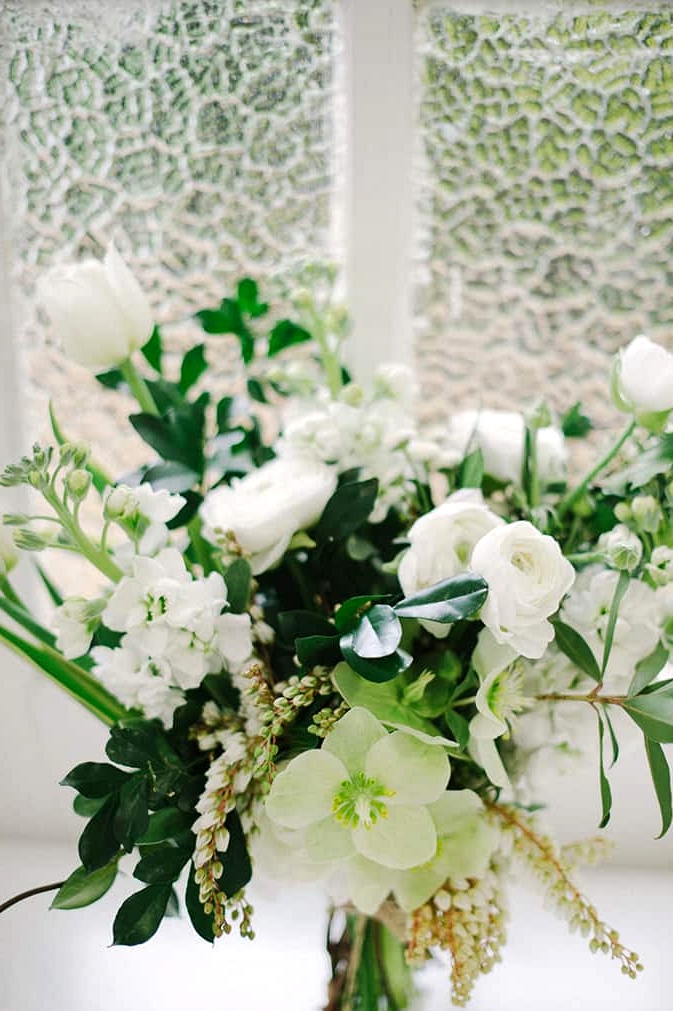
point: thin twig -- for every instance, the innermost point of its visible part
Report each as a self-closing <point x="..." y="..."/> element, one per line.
<point x="31" y="891"/>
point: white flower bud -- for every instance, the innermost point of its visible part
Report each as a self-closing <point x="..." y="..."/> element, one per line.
<point x="622" y="548"/>
<point x="97" y="309"/>
<point x="78" y="483"/>
<point x="642" y="382"/>
<point x="647" y="513"/>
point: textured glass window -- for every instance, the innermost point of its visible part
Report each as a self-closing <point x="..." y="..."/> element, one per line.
<point x="546" y="197"/>
<point x="198" y="134"/>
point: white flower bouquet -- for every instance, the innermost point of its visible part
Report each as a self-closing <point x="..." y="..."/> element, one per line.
<point x="330" y="649"/>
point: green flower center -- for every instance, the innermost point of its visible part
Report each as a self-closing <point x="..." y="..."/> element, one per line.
<point x="506" y="696"/>
<point x="359" y="800"/>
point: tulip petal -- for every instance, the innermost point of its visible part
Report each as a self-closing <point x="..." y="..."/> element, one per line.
<point x="303" y="792"/>
<point x="416" y="772"/>
<point x="352" y="737"/>
<point x="406" y="838"/>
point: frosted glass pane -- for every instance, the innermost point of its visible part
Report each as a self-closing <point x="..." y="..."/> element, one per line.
<point x="545" y="199"/>
<point x="198" y="134"/>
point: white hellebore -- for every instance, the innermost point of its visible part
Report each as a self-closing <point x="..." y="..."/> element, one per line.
<point x="527" y="578"/>
<point x="366" y="792"/>
<point x="642" y="379"/>
<point x="97" y="309"/>
<point x="264" y="509"/>
<point x="442" y="542"/>
<point x="500" y="436"/>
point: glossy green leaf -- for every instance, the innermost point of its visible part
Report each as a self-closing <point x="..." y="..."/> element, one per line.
<point x="84" y="887"/>
<point x="471" y="473"/>
<point x="377" y="634"/>
<point x="98" y="844"/>
<point x="238" y="578"/>
<point x="248" y="298"/>
<point x="459" y="727"/>
<point x="380" y="669"/>
<point x="449" y="600"/>
<point x="349" y="613"/>
<point x="133" y="744"/>
<point x="223" y="414"/>
<point x="165" y="824"/>
<point x="193" y="366"/>
<point x="236" y="861"/>
<point x="620" y="589"/>
<point x="661" y="779"/>
<point x="256" y="391"/>
<point x="284" y="335"/>
<point x="348" y="508"/>
<point x="318" y="649"/>
<point x="161" y="865"/>
<point x="172" y="476"/>
<point x="132" y="815"/>
<point x="576" y="648"/>
<point x="575" y="424"/>
<point x="95" y="779"/>
<point x="300" y="624"/>
<point x="86" y="807"/>
<point x="647" y="669"/>
<point x="383" y="700"/>
<point x="139" y="917"/>
<point x="653" y="713"/>
<point x="153" y="350"/>
<point x="606" y="792"/>
<point x="202" y="922"/>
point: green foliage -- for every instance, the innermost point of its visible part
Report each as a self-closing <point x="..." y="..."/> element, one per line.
<point x="248" y="299"/>
<point x="576" y="648"/>
<point x="165" y="824"/>
<point x="132" y="815"/>
<point x="606" y="792"/>
<point x="346" y="511"/>
<point x="177" y="435"/>
<point x="661" y="779"/>
<point x="98" y="844"/>
<point x="285" y="334"/>
<point x="471" y="471"/>
<point x="647" y="669"/>
<point x="575" y="424"/>
<point x="152" y="351"/>
<point x="236" y="861"/>
<point x="96" y="779"/>
<point x="84" y="887"/>
<point x="652" y="711"/>
<point x="658" y="459"/>
<point x="193" y="366"/>
<point x="377" y="634"/>
<point x="450" y="600"/>
<point x="238" y="578"/>
<point x="201" y="921"/>
<point x="161" y="865"/>
<point x="620" y="589"/>
<point x="139" y="916"/>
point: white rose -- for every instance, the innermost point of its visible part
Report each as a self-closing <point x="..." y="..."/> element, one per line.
<point x="527" y="578"/>
<point x="98" y="310"/>
<point x="442" y="542"/>
<point x="264" y="509"/>
<point x="500" y="435"/>
<point x="642" y="378"/>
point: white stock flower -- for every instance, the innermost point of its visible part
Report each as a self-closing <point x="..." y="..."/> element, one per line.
<point x="637" y="631"/>
<point x="97" y="309"/>
<point x="364" y="792"/>
<point x="75" y="621"/>
<point x="660" y="566"/>
<point x="527" y="578"/>
<point x="125" y="503"/>
<point x="442" y="542"/>
<point x="500" y="436"/>
<point x="137" y="680"/>
<point x="264" y="509"/>
<point x="642" y="379"/>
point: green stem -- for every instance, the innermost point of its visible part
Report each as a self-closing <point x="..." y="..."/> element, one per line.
<point x="586" y="557"/>
<point x="91" y="551"/>
<point x="354" y="959"/>
<point x="8" y="591"/>
<point x="568" y="502"/>
<point x="330" y="360"/>
<point x="592" y="700"/>
<point x="531" y="476"/>
<point x="138" y="387"/>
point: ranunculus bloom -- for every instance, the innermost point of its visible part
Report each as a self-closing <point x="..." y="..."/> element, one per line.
<point x="442" y="542"/>
<point x="527" y="578"/>
<point x="264" y="509"/>
<point x="642" y="380"/>
<point x="500" y="437"/>
<point x="97" y="309"/>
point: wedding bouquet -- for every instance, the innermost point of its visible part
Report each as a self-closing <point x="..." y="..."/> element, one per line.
<point x="332" y="647"/>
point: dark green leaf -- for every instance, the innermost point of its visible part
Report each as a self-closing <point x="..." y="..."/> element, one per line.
<point x="378" y="670"/>
<point x="161" y="865"/>
<point x="574" y="424"/>
<point x="152" y="350"/>
<point x="620" y="589"/>
<point x="97" y="843"/>
<point x="178" y="435"/>
<point x="226" y="319"/>
<point x="350" y="611"/>
<point x="459" y="727"/>
<point x="139" y="917"/>
<point x="300" y="624"/>
<point x="193" y="366"/>
<point x="86" y="807"/>
<point x="346" y="511"/>
<point x="318" y="649"/>
<point x="378" y="633"/>
<point x="256" y="391"/>
<point x="163" y="825"/>
<point x="606" y="792"/>
<point x="471" y="472"/>
<point x="84" y="887"/>
<point x="613" y="737"/>
<point x="26" y="620"/>
<point x="647" y="669"/>
<point x="164" y="394"/>
<point x="132" y="816"/>
<point x="661" y="779"/>
<point x="223" y="414"/>
<point x="95" y="779"/>
<point x="284" y="335"/>
<point x="173" y="905"/>
<point x="576" y="648"/>
<point x="189" y="510"/>
<point x="238" y="578"/>
<point x="450" y="600"/>
<point x="54" y="595"/>
<point x="236" y="862"/>
<point x="219" y="686"/>
<point x="111" y="379"/>
<point x="171" y="476"/>
<point x="132" y="745"/>
<point x="156" y="432"/>
<point x="202" y="922"/>
<point x="247" y="295"/>
<point x="653" y="712"/>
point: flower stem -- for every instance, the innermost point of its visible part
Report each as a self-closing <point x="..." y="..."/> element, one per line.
<point x="568" y="502"/>
<point x="591" y="698"/>
<point x="91" y="551"/>
<point x="354" y="960"/>
<point x="27" y="895"/>
<point x="138" y="387"/>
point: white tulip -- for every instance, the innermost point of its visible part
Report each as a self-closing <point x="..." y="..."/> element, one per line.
<point x="97" y="309"/>
<point x="527" y="578"/>
<point x="500" y="436"/>
<point x="642" y="379"/>
<point x="264" y="509"/>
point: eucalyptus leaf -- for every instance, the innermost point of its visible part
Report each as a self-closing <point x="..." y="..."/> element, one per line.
<point x="447" y="601"/>
<point x="647" y="669"/>
<point x="139" y="917"/>
<point x="576" y="648"/>
<point x="349" y="612"/>
<point x="84" y="887"/>
<point x="661" y="779"/>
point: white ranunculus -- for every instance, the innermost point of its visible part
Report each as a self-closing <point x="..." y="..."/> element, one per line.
<point x="642" y="378"/>
<point x="264" y="509"/>
<point x="527" y="578"/>
<point x="97" y="309"/>
<point x="442" y="542"/>
<point x="500" y="435"/>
